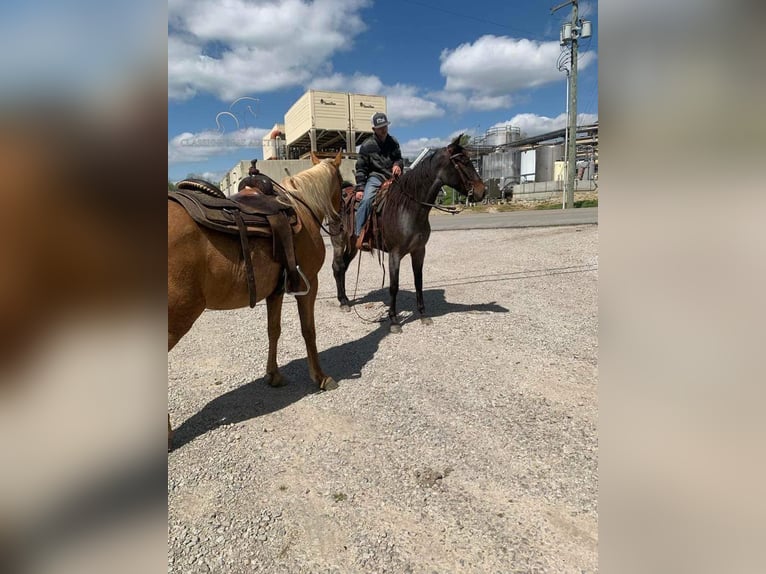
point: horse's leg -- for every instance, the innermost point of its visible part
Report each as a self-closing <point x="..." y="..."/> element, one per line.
<point x="274" y="311"/>
<point x="394" y="260"/>
<point x="417" y="270"/>
<point x="180" y="320"/>
<point x="308" y="330"/>
<point x="340" y="260"/>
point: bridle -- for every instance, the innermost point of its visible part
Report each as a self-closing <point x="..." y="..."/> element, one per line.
<point x="464" y="179"/>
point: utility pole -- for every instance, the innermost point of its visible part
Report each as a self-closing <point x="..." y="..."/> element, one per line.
<point x="570" y="33"/>
<point x="572" y="143"/>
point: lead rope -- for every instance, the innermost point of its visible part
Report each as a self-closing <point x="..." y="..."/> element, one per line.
<point x="356" y="286"/>
<point x="452" y="210"/>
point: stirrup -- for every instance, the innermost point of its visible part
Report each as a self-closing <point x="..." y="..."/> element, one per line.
<point x="305" y="281"/>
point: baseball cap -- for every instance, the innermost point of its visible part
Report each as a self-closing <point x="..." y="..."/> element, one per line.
<point x="379" y="120"/>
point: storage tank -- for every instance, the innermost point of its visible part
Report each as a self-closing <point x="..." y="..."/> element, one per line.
<point x="274" y="143"/>
<point x="500" y="136"/>
<point x="545" y="158"/>
<point x="501" y="165"/>
<point x="527" y="163"/>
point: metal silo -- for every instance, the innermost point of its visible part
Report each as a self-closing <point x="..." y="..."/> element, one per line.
<point x="501" y="136"/>
<point x="500" y="168"/>
<point x="545" y="158"/>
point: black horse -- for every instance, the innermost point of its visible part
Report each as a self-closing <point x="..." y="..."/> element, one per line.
<point x="404" y="227"/>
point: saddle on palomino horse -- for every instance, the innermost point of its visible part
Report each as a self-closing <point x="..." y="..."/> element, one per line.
<point x="371" y="236"/>
<point x="246" y="215"/>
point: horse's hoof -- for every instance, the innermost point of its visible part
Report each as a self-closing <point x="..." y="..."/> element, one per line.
<point x="394" y="328"/>
<point x="276" y="380"/>
<point x="328" y="384"/>
<point x="345" y="307"/>
<point x="426" y="321"/>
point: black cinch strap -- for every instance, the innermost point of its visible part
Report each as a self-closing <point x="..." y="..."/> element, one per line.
<point x="283" y="235"/>
<point x="246" y="254"/>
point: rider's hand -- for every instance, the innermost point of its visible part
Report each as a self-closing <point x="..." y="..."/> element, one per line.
<point x="397" y="171"/>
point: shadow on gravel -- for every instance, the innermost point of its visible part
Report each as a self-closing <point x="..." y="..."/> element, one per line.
<point x="257" y="398"/>
<point x="342" y="362"/>
<point x="436" y="305"/>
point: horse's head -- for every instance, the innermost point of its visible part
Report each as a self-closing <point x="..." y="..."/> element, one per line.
<point x="460" y="173"/>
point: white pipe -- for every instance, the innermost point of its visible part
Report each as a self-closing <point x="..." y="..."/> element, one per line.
<point x="566" y="153"/>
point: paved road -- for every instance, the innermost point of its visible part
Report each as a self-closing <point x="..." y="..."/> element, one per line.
<point x="531" y="218"/>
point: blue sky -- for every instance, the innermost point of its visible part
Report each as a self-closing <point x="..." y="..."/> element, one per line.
<point x="445" y="67"/>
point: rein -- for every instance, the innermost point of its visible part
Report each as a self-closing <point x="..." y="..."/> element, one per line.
<point x="467" y="185"/>
<point x="452" y="210"/>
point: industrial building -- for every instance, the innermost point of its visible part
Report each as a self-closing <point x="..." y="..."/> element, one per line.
<point x="513" y="167"/>
<point x="320" y="121"/>
<point x="517" y="167"/>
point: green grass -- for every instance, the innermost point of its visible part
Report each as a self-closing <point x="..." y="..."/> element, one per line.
<point x="557" y="204"/>
<point x="504" y="207"/>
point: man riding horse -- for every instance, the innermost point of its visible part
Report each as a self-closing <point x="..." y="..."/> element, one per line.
<point x="380" y="158"/>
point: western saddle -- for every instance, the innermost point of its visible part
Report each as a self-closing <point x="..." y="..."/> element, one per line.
<point x="247" y="214"/>
<point x="371" y="236"/>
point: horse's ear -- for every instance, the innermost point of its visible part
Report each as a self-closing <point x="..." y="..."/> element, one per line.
<point x="314" y="158"/>
<point x="456" y="141"/>
<point x="338" y="159"/>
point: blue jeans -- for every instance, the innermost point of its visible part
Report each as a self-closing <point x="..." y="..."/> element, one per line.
<point x="370" y="191"/>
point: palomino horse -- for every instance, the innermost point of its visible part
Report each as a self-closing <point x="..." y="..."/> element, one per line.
<point x="206" y="269"/>
<point x="404" y="221"/>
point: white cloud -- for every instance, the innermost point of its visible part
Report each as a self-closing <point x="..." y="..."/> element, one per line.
<point x="532" y="124"/>
<point x="233" y="47"/>
<point x="411" y="148"/>
<point x="358" y="83"/>
<point x="461" y="101"/>
<point x="403" y="102"/>
<point x="404" y="106"/>
<point x="482" y="75"/>
<point x="190" y="147"/>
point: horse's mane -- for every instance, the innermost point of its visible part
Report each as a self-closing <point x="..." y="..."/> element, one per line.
<point x="313" y="193"/>
<point x="407" y="184"/>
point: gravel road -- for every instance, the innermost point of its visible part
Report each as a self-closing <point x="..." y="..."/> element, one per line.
<point x="467" y="446"/>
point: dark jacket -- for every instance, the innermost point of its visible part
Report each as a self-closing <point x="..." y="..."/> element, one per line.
<point x="378" y="158"/>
